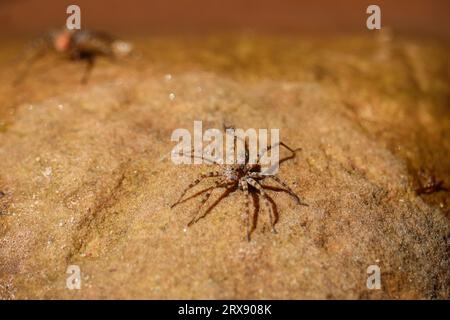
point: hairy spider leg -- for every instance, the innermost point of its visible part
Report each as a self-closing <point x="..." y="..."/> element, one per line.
<point x="196" y="182"/>
<point x="90" y="62"/>
<point x="266" y="201"/>
<point x="196" y="194"/>
<point x="192" y="155"/>
<point x="244" y="185"/>
<point x="282" y="183"/>
<point x="205" y="198"/>
<point x="293" y="151"/>
<point x="215" y="203"/>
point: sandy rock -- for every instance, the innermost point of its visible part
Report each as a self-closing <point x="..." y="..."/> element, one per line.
<point x="85" y="181"/>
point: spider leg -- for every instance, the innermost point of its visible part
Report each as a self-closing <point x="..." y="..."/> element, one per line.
<point x="215" y="203"/>
<point x="196" y="182"/>
<point x="244" y="185"/>
<point x="282" y="183"/>
<point x="90" y="62"/>
<point x="266" y="202"/>
<point x="293" y="151"/>
<point x="196" y="194"/>
<point x="192" y="155"/>
<point x="205" y="198"/>
<point x="235" y="138"/>
<point x="256" y="207"/>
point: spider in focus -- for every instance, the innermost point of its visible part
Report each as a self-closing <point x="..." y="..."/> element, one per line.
<point x="246" y="178"/>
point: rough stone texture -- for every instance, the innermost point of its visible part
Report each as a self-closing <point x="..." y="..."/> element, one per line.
<point x="86" y="181"/>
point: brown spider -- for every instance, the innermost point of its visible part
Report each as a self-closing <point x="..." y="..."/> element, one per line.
<point x="246" y="178"/>
<point x="428" y="184"/>
<point x="80" y="45"/>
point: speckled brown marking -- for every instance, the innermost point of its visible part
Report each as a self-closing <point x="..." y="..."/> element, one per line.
<point x="239" y="177"/>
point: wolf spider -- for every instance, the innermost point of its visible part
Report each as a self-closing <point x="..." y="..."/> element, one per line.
<point x="246" y="178"/>
<point x="76" y="45"/>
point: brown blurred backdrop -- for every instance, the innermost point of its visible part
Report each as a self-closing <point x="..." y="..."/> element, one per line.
<point x="418" y="17"/>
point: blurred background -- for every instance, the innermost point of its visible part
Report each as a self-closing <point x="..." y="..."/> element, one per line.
<point x="412" y="17"/>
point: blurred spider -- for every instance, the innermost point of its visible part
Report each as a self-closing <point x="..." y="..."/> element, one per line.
<point x="430" y="184"/>
<point x="76" y="45"/>
<point x="246" y="178"/>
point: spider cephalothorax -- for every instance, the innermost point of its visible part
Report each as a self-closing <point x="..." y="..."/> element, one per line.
<point x="234" y="172"/>
<point x="245" y="177"/>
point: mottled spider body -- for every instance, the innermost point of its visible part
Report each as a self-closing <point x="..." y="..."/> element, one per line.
<point x="245" y="177"/>
<point x="235" y="172"/>
<point x="82" y="45"/>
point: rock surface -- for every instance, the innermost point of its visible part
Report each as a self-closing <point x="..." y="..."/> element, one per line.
<point x="85" y="179"/>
